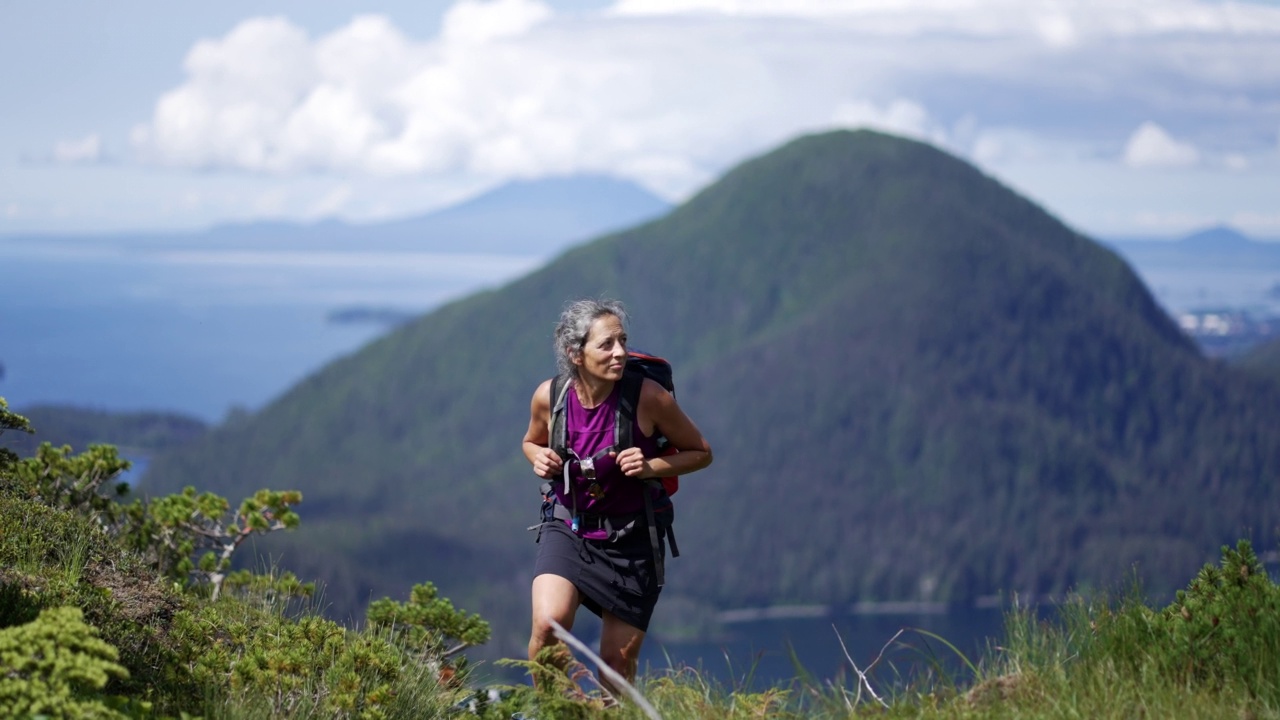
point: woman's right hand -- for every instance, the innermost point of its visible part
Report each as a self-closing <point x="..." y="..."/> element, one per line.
<point x="547" y="463"/>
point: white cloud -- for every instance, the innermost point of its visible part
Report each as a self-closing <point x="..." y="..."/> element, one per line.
<point x="669" y="92"/>
<point x="1151" y="147"/>
<point x="473" y="21"/>
<point x="900" y="116"/>
<point x="998" y="146"/>
<point x="331" y="203"/>
<point x="240" y="92"/>
<point x="1235" y="162"/>
<point x="1059" y="21"/>
<point x="1260" y="223"/>
<point x="87" y="149"/>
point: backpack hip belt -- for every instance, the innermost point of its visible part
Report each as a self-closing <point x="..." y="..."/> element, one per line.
<point x="619" y="526"/>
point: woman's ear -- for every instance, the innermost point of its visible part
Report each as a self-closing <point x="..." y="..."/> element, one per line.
<point x="575" y="354"/>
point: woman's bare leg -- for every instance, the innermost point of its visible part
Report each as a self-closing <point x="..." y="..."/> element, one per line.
<point x="554" y="598"/>
<point x="620" y="648"/>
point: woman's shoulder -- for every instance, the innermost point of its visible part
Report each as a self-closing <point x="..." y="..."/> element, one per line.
<point x="651" y="391"/>
<point x="542" y="394"/>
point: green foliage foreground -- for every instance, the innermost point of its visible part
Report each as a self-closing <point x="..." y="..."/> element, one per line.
<point x="94" y="624"/>
<point x="113" y="610"/>
<point x="1214" y="652"/>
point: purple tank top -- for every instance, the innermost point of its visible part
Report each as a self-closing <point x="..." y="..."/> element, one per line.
<point x="589" y="433"/>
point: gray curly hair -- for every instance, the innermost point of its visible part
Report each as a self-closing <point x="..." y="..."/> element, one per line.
<point x="574" y="326"/>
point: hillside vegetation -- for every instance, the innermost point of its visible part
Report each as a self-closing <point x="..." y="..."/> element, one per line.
<point x="918" y="384"/>
<point x="95" y="623"/>
<point x="1262" y="361"/>
<point x="116" y="608"/>
<point x="145" y="432"/>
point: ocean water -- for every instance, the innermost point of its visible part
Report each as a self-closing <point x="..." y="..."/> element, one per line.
<point x="127" y="325"/>
<point x="1184" y="289"/>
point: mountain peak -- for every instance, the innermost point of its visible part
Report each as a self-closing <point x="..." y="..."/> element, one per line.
<point x="1222" y="237"/>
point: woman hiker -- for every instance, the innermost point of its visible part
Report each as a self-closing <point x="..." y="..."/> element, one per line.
<point x="598" y="551"/>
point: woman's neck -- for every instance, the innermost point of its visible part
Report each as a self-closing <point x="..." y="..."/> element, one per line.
<point x="592" y="391"/>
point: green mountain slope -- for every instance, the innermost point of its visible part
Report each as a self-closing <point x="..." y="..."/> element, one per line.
<point x="143" y="432"/>
<point x="1263" y="360"/>
<point x="917" y="384"/>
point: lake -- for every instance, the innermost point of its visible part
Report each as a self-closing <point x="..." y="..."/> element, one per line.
<point x="762" y="653"/>
<point x="759" y="653"/>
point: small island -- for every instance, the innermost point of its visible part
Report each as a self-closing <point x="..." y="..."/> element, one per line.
<point x="388" y="316"/>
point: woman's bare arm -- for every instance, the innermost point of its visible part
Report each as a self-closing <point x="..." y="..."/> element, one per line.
<point x="545" y="461"/>
<point x="659" y="409"/>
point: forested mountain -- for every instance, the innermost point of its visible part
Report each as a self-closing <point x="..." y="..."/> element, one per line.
<point x="917" y="384"/>
<point x="1263" y="360"/>
<point x="81" y="427"/>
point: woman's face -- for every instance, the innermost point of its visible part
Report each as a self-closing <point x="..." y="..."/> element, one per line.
<point x="604" y="355"/>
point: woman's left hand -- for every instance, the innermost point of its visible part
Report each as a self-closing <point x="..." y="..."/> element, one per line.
<point x="633" y="462"/>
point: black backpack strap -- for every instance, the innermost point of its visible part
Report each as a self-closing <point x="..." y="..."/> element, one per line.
<point x="628" y="403"/>
<point x="557" y="439"/>
<point x="659" y="559"/>
<point x="628" y="407"/>
<point x="559" y="390"/>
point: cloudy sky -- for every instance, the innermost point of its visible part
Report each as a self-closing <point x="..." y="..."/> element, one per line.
<point x="1123" y="117"/>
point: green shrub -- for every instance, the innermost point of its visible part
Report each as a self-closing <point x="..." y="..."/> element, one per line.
<point x="315" y="662"/>
<point x="1216" y="644"/>
<point x="56" y="666"/>
<point x="79" y="483"/>
<point x="1225" y="627"/>
<point x="10" y="421"/>
<point x="257" y="651"/>
<point x="428" y="624"/>
<point x="255" y="662"/>
<point x="189" y="534"/>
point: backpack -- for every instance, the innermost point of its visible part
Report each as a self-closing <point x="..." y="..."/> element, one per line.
<point x="639" y="366"/>
<point x="659" y="510"/>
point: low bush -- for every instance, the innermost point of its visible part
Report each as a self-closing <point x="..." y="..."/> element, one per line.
<point x="56" y="666"/>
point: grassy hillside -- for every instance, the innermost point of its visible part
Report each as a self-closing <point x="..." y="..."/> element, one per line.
<point x="917" y="384"/>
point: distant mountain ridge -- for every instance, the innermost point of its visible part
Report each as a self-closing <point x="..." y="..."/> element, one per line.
<point x="1220" y="246"/>
<point x="1216" y="238"/>
<point x="918" y="385"/>
<point x="535" y="218"/>
<point x="542" y="215"/>
<point x="522" y="217"/>
<point x="1205" y="238"/>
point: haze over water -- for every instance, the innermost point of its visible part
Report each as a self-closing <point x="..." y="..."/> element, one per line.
<point x="121" y="325"/>
<point x="201" y="331"/>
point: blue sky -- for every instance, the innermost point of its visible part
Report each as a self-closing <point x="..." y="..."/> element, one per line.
<point x="1124" y="118"/>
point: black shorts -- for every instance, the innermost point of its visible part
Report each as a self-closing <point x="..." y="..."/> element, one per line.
<point x="617" y="577"/>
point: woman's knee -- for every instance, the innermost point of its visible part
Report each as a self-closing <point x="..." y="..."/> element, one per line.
<point x="555" y="601"/>
<point x="544" y="627"/>
<point x="623" y="655"/>
<point x="620" y="660"/>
